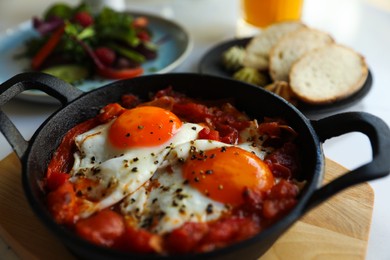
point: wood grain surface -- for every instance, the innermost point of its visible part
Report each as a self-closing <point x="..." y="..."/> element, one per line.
<point x="337" y="229"/>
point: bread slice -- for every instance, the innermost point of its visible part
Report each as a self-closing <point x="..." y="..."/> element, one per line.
<point x="257" y="50"/>
<point x="291" y="47"/>
<point x="328" y="74"/>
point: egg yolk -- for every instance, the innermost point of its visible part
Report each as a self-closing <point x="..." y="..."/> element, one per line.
<point x="143" y="126"/>
<point x="224" y="173"/>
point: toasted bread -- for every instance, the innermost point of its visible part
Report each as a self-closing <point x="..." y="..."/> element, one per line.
<point x="257" y="50"/>
<point x="327" y="74"/>
<point x="291" y="47"/>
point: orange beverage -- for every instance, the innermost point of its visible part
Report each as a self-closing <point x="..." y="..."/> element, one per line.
<point x="260" y="13"/>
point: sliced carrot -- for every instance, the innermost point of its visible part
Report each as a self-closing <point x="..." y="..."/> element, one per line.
<point x="47" y="48"/>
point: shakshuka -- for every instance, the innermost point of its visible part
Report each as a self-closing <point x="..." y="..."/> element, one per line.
<point x="173" y="175"/>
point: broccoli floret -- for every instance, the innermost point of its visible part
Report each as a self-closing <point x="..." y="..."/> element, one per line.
<point x="252" y="76"/>
<point x="233" y="57"/>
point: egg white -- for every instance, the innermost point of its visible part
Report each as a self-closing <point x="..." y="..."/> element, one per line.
<point x="172" y="202"/>
<point x="118" y="172"/>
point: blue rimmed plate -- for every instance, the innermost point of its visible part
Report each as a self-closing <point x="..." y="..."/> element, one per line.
<point x="174" y="44"/>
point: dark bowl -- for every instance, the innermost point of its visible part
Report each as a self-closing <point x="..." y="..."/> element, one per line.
<point x="78" y="106"/>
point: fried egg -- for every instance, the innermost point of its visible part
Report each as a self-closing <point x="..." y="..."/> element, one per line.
<point x="115" y="159"/>
<point x="200" y="181"/>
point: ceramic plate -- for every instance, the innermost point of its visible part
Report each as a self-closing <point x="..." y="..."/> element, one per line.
<point x="211" y="64"/>
<point x="173" y="41"/>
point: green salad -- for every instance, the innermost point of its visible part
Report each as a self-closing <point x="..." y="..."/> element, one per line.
<point x="75" y="44"/>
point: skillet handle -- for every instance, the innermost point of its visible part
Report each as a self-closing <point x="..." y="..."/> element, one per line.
<point x="62" y="91"/>
<point x="379" y="135"/>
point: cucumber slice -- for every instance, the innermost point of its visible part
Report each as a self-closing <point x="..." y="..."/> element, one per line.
<point x="68" y="73"/>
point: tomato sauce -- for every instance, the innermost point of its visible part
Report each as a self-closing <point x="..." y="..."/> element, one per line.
<point x="222" y="122"/>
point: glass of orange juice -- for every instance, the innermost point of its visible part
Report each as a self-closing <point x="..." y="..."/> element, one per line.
<point x="261" y="13"/>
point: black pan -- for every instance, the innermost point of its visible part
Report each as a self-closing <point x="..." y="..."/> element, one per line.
<point x="78" y="106"/>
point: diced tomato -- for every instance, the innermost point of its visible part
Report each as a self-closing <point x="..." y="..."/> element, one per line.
<point x="102" y="228"/>
<point x="207" y="133"/>
<point x="140" y="22"/>
<point x="139" y="241"/>
<point x="63" y="157"/>
<point x="143" y="36"/>
<point x="129" y="100"/>
<point x="83" y="18"/>
<point x="110" y="111"/>
<point x="56" y="179"/>
<point x="186" y="238"/>
<point x="62" y="204"/>
<point x="227" y="231"/>
<point x="193" y="112"/>
<point x="281" y="199"/>
<point x="106" y="55"/>
<point x="269" y="128"/>
<point x="229" y="135"/>
<point x="284" y="162"/>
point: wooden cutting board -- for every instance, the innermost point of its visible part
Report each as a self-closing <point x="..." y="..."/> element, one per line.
<point x="338" y="229"/>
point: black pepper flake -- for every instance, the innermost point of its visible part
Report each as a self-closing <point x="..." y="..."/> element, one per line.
<point x="170" y="121"/>
<point x="89" y="188"/>
<point x="140" y="127"/>
<point x="174" y="203"/>
<point x="79" y="193"/>
<point x="80" y="174"/>
<point x="208" y="172"/>
<point x="196" y="179"/>
<point x="212" y="155"/>
<point x="179" y="190"/>
<point x="181" y="160"/>
<point x="223" y="149"/>
<point x="155" y="162"/>
<point x="132" y="200"/>
<point x="186" y="182"/>
<point x="193" y="128"/>
<point x="135" y="159"/>
<point x="93" y="159"/>
<point x="151" y="133"/>
<point x="135" y="169"/>
<point x="162" y="214"/>
<point x="153" y="154"/>
<point x="95" y="170"/>
<point x="154" y="200"/>
<point x="180" y="196"/>
<point x="182" y="211"/>
<point x="209" y="209"/>
<point x="128" y="135"/>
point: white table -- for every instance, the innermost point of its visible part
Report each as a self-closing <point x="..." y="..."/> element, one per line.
<point x="361" y="24"/>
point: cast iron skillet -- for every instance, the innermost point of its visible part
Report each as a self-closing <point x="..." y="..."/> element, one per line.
<point x="77" y="106"/>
